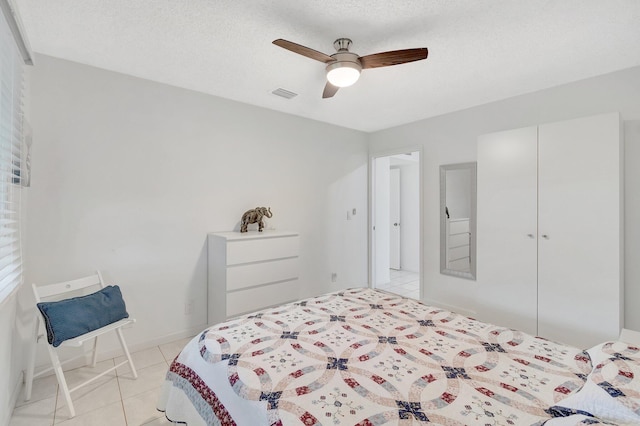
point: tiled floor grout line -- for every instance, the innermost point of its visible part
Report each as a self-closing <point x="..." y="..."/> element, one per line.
<point x="124" y="412"/>
<point x="55" y="406"/>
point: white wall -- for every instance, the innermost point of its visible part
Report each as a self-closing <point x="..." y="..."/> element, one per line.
<point x="451" y="138"/>
<point x="632" y="222"/>
<point x="130" y="175"/>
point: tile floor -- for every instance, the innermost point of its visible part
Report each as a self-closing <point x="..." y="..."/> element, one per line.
<point x="404" y="283"/>
<point x="115" y="399"/>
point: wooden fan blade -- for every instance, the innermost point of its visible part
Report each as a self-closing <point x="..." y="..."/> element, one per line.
<point x="329" y="90"/>
<point x="303" y="50"/>
<point x="394" y="57"/>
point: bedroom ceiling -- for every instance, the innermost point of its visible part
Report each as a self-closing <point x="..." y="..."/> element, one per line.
<point x="479" y="51"/>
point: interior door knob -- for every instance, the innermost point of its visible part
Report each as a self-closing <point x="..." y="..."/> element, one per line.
<point x="396" y="224"/>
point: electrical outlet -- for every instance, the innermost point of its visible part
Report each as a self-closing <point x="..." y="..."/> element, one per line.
<point x="334" y="277"/>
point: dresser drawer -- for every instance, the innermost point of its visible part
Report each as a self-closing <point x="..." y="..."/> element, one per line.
<point x="243" y="301"/>
<point x="461" y="265"/>
<point x="245" y="251"/>
<point x="458" y="226"/>
<point x="459" y="252"/>
<point x="459" y="240"/>
<point x="242" y="276"/>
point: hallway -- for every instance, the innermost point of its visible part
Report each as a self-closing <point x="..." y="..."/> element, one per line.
<point x="404" y="283"/>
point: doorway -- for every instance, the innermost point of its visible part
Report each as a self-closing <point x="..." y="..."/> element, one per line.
<point x="396" y="223"/>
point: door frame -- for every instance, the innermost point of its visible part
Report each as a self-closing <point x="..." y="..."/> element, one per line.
<point x="395" y="244"/>
<point x="371" y="207"/>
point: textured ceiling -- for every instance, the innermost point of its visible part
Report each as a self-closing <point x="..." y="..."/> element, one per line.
<point x="479" y="51"/>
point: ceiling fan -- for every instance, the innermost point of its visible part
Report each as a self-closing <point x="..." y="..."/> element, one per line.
<point x="344" y="67"/>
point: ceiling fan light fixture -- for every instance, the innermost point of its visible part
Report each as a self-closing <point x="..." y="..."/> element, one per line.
<point x="343" y="74"/>
<point x="344" y="67"/>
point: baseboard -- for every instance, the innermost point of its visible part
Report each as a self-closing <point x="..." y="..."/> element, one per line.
<point x="190" y="332"/>
<point x="140" y="346"/>
<point x="457" y="309"/>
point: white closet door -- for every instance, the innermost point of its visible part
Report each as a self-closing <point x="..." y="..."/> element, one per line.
<point x="579" y="277"/>
<point x="506" y="228"/>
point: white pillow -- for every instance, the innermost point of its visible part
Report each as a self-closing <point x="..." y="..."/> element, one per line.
<point x="630" y="336"/>
<point x="612" y="390"/>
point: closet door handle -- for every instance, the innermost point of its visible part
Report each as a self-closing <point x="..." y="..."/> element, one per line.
<point x="545" y="236"/>
<point x="531" y="236"/>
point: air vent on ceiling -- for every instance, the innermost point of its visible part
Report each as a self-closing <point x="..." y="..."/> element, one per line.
<point x="284" y="93"/>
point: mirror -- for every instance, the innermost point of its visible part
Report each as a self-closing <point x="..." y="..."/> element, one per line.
<point x="458" y="220"/>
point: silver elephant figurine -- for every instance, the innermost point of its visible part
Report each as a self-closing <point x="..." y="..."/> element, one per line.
<point x="255" y="216"/>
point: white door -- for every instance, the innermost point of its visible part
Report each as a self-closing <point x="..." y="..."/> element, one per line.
<point x="394" y="218"/>
<point x="507" y="228"/>
<point x="579" y="276"/>
<point x="381" y="221"/>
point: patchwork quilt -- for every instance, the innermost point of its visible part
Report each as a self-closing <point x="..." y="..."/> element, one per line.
<point x="367" y="357"/>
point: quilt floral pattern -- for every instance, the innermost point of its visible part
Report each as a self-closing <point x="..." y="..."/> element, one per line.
<point x="366" y="357"/>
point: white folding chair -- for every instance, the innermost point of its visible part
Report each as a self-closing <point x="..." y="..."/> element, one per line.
<point x="53" y="292"/>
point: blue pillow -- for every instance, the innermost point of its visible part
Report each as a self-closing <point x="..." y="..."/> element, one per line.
<point x="69" y="318"/>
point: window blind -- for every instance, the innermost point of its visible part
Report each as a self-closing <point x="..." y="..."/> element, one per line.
<point x="11" y="123"/>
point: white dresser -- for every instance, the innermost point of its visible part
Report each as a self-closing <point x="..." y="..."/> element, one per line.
<point x="250" y="271"/>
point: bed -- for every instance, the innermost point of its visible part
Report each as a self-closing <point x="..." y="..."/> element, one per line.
<point x="367" y="357"/>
